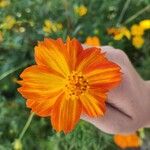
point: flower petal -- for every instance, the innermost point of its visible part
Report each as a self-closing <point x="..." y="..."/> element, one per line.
<point x="105" y="83"/>
<point x="65" y="114"/>
<point x="74" y="48"/>
<point x="41" y="88"/>
<point x="39" y="83"/>
<point x="50" y="55"/>
<point x="42" y="107"/>
<point x="103" y="74"/>
<point x="127" y="141"/>
<point x="99" y="71"/>
<point x="92" y="106"/>
<point x="88" y="57"/>
<point x="39" y="107"/>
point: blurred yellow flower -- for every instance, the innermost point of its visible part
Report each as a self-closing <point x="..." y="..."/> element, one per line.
<point x="81" y="10"/>
<point x="127" y="141"/>
<point x="119" y="33"/>
<point x="1" y="36"/>
<point x="50" y="26"/>
<point x="22" y="29"/>
<point x="17" y="145"/>
<point x="4" y="3"/>
<point x="8" y="22"/>
<point x="145" y="24"/>
<point x="47" y="26"/>
<point x="59" y="26"/>
<point x="137" y="41"/>
<point x="56" y="27"/>
<point x="137" y="30"/>
<point x="93" y="41"/>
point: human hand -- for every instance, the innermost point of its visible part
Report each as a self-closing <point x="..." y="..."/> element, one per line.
<point x="128" y="105"/>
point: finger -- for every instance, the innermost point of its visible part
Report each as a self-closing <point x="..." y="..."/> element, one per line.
<point x="119" y="97"/>
<point x="118" y="56"/>
<point x="120" y="101"/>
<point x="122" y="96"/>
<point x="115" y="55"/>
<point x="112" y="122"/>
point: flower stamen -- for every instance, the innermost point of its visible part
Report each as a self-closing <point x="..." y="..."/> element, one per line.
<point x="76" y="85"/>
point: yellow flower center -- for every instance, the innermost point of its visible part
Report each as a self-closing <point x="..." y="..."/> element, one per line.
<point x="76" y="84"/>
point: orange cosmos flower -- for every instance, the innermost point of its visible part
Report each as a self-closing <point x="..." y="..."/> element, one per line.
<point x="67" y="81"/>
<point x="119" y="33"/>
<point x="127" y="141"/>
<point x="93" y="41"/>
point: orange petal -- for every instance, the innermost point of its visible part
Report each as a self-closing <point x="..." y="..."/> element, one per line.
<point x="41" y="89"/>
<point x="50" y="55"/>
<point x="74" y="48"/>
<point x="99" y="71"/>
<point x="106" y="82"/>
<point x="42" y="107"/>
<point x="127" y="141"/>
<point x="101" y="64"/>
<point x="104" y="75"/>
<point x="99" y="94"/>
<point x="38" y="82"/>
<point x="93" y="41"/>
<point x="39" y="107"/>
<point x="71" y="50"/>
<point x="104" y="78"/>
<point x="88" y="57"/>
<point x="65" y="114"/>
<point x="92" y="106"/>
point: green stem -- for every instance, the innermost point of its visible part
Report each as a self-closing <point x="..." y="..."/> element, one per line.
<point x="66" y="7"/>
<point x="126" y="5"/>
<point x="26" y="126"/>
<point x="11" y="71"/>
<point x="137" y="14"/>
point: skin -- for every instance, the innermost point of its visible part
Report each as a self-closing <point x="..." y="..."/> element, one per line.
<point x="128" y="105"/>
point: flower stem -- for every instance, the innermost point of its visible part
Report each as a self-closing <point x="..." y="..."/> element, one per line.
<point x="10" y="71"/>
<point x="137" y="14"/>
<point x="2" y="76"/>
<point x="26" y="126"/>
<point x="126" y="5"/>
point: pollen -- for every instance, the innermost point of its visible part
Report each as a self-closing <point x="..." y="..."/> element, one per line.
<point x="76" y="85"/>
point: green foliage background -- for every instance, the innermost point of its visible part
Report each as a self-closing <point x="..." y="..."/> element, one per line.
<point x="16" y="53"/>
